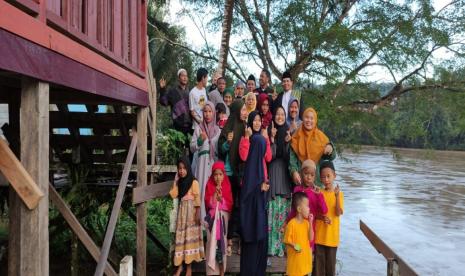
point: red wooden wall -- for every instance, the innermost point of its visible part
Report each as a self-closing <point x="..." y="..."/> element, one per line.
<point x="115" y="29"/>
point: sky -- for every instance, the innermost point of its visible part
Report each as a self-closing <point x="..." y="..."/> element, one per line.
<point x="376" y="74"/>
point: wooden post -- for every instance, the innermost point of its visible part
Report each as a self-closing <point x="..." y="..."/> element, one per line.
<point x="141" y="210"/>
<point x="125" y="267"/>
<point x="28" y="238"/>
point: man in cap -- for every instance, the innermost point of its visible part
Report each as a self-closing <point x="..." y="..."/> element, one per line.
<point x="177" y="98"/>
<point x="284" y="97"/>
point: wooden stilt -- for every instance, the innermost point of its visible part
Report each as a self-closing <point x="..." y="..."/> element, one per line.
<point x="141" y="210"/>
<point x="28" y="235"/>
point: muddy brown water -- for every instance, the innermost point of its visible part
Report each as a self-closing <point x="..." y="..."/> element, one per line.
<point x="412" y="199"/>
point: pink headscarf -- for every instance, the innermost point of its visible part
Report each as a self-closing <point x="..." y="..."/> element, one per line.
<point x="211" y="128"/>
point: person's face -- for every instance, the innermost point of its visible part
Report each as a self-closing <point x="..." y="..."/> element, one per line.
<point x="223" y="116"/>
<point x="218" y="176"/>
<point x="250" y="101"/>
<point x="280" y="117"/>
<point x="263" y="79"/>
<point x="244" y="113"/>
<point x="304" y="208"/>
<point x="183" y="79"/>
<point x="221" y="83"/>
<point x="294" y="110"/>
<point x="265" y="107"/>
<point x="257" y="123"/>
<point x="250" y="86"/>
<point x="182" y="171"/>
<point x="204" y="81"/>
<point x="308" y="176"/>
<point x="207" y="114"/>
<point x="239" y="91"/>
<point x="228" y="99"/>
<point x="327" y="176"/>
<point x="216" y="76"/>
<point x="309" y="121"/>
<point x="287" y="84"/>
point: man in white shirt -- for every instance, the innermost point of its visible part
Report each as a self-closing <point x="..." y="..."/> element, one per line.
<point x="198" y="97"/>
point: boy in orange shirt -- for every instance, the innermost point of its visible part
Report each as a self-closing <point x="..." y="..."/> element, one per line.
<point x="327" y="226"/>
<point x="299" y="233"/>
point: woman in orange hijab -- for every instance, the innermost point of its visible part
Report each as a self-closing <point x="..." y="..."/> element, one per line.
<point x="309" y="142"/>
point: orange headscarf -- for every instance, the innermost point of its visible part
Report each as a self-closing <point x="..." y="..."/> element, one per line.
<point x="309" y="144"/>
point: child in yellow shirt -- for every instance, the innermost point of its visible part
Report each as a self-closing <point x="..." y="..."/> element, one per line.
<point x="299" y="233"/>
<point x="327" y="227"/>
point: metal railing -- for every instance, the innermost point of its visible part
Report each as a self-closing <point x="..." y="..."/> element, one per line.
<point x="396" y="266"/>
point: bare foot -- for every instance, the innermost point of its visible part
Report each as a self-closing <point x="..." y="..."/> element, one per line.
<point x="178" y="271"/>
<point x="189" y="270"/>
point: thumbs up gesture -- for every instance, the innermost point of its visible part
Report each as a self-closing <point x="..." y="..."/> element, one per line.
<point x="273" y="130"/>
<point x="288" y="136"/>
<point x="274" y="95"/>
<point x="248" y="132"/>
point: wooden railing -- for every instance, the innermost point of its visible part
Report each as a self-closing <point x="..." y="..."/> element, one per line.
<point x="396" y="266"/>
<point x="114" y="28"/>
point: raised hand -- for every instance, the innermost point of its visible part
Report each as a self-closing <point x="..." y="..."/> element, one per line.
<point x="162" y="83"/>
<point x="265" y="133"/>
<point x="288" y="136"/>
<point x="248" y="132"/>
<point x="337" y="190"/>
<point x="328" y="149"/>
<point x="274" y="96"/>
<point x="273" y="130"/>
<point x="230" y="137"/>
<point x="218" y="193"/>
<point x="203" y="136"/>
<point x="296" y="178"/>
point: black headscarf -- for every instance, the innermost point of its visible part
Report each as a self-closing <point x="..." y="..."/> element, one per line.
<point x="185" y="183"/>
<point x="237" y="126"/>
<point x="251" y="118"/>
<point x="280" y="138"/>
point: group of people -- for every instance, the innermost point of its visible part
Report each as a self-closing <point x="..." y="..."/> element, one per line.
<point x="259" y="170"/>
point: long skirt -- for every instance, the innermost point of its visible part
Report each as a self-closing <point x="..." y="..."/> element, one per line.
<point x="189" y="241"/>
<point x="278" y="209"/>
<point x="202" y="173"/>
<point x="216" y="250"/>
<point x="253" y="258"/>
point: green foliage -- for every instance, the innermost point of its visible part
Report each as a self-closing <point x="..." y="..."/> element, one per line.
<point x="429" y="118"/>
<point x="170" y="145"/>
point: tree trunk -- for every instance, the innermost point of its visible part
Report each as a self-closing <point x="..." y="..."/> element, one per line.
<point x="226" y="34"/>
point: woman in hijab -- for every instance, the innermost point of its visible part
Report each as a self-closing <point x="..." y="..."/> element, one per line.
<point x="218" y="203"/>
<point x="188" y="237"/>
<point x="309" y="142"/>
<point x="239" y="89"/>
<point x="293" y="120"/>
<point x="228" y="148"/>
<point x="279" y="196"/>
<point x="255" y="151"/>
<point x="204" y="143"/>
<point x="250" y="102"/>
<point x="263" y="107"/>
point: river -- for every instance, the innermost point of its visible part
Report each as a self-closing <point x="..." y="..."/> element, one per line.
<point x="414" y="200"/>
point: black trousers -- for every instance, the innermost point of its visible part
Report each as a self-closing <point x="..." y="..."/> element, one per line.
<point x="325" y="261"/>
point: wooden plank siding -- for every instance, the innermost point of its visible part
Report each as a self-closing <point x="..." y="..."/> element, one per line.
<point x="108" y="37"/>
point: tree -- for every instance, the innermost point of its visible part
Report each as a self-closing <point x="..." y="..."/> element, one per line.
<point x="339" y="42"/>
<point x="225" y="36"/>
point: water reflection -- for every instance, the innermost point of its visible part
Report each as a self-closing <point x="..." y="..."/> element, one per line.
<point x="414" y="200"/>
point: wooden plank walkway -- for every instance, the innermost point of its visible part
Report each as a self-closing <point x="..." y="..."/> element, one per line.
<point x="278" y="265"/>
